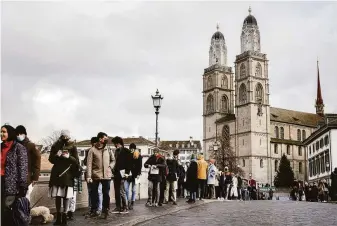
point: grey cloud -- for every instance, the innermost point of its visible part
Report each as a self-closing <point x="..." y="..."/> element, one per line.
<point x="112" y="56"/>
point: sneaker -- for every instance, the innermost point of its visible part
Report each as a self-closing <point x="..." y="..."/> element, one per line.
<point x="155" y="204"/>
<point x="124" y="211"/>
<point x="116" y="210"/>
<point x="148" y="204"/>
<point x="222" y="199"/>
<point x="95" y="214"/>
<point x="174" y="203"/>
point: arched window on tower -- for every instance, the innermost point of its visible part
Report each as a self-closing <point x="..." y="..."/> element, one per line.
<point x="242" y="70"/>
<point x="282" y="133"/>
<point x="209" y="82"/>
<point x="258" y="70"/>
<point x="304" y="135"/>
<point x="299" y="135"/>
<point x="224" y="82"/>
<point x="226" y="135"/>
<point x="261" y="163"/>
<point x="242" y="94"/>
<point x="224" y="103"/>
<point x="277" y="134"/>
<point x="259" y="93"/>
<point x="210" y="104"/>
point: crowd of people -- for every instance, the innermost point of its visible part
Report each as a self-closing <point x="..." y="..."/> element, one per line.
<point x="168" y="179"/>
<point x="315" y="192"/>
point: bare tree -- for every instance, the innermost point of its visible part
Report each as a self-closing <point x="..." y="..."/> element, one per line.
<point x="48" y="141"/>
<point x="226" y="157"/>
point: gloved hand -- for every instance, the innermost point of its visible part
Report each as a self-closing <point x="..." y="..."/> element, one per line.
<point x="22" y="191"/>
<point x="89" y="180"/>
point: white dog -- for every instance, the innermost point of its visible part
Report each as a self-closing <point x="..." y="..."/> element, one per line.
<point x="42" y="211"/>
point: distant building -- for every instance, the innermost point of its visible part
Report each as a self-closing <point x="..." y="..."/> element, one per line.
<point x="321" y="148"/>
<point x="186" y="148"/>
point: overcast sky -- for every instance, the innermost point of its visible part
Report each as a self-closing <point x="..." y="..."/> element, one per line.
<point x="91" y="67"/>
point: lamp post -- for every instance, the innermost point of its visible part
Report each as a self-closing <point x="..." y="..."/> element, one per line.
<point x="157" y="104"/>
<point x="327" y="166"/>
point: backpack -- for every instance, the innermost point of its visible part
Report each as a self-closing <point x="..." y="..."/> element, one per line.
<point x="21" y="212"/>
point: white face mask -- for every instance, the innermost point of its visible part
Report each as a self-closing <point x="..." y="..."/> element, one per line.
<point x="21" y="137"/>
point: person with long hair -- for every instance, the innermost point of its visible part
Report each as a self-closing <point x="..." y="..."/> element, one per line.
<point x="14" y="173"/>
<point x="64" y="156"/>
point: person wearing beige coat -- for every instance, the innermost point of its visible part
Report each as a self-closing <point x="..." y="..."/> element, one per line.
<point x="100" y="164"/>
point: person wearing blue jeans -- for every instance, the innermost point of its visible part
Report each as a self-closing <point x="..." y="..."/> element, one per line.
<point x="136" y="170"/>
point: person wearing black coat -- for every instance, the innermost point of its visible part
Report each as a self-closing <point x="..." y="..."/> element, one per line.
<point x="181" y="180"/>
<point x="122" y="171"/>
<point x="192" y="179"/>
<point x="157" y="169"/>
<point x="333" y="189"/>
<point x="136" y="171"/>
<point x="171" y="179"/>
<point x="64" y="156"/>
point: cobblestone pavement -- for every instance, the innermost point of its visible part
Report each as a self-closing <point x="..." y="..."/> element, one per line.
<point x="252" y="213"/>
<point x="139" y="214"/>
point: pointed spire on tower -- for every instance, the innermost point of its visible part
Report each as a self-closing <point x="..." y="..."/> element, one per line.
<point x="250" y="10"/>
<point x="319" y="100"/>
<point x="217" y="26"/>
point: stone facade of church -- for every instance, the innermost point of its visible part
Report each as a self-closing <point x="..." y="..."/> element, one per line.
<point x="236" y="107"/>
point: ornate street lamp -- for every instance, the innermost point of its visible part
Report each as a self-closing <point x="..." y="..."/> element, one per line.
<point x="215" y="146"/>
<point x="157" y="104"/>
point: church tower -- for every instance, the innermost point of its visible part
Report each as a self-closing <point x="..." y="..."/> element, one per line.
<point x="218" y="90"/>
<point x="319" y="100"/>
<point x="252" y="104"/>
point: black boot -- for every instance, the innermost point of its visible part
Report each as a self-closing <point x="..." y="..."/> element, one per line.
<point x="64" y="219"/>
<point x="58" y="219"/>
<point x="70" y="215"/>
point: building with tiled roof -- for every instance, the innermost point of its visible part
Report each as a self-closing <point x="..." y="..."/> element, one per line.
<point x="186" y="148"/>
<point x="237" y="110"/>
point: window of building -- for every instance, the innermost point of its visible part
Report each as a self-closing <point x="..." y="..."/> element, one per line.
<point x="317" y="145"/>
<point x="258" y="70"/>
<point x="182" y="157"/>
<point x="304" y="135"/>
<point x="210" y="104"/>
<point x="170" y="145"/>
<point x="261" y="163"/>
<point x="209" y="82"/>
<point x="242" y="70"/>
<point x="310" y="168"/>
<point x="224" y="103"/>
<point x="300" y="167"/>
<point x="318" y="165"/>
<point x="260" y="141"/>
<point x="243" y="141"/>
<point x="275" y="149"/>
<point x="226" y="135"/>
<point x="224" y="82"/>
<point x="259" y="93"/>
<point x="326" y="140"/>
<point x="288" y="149"/>
<point x="282" y="133"/>
<point x="277" y="132"/>
<point x="309" y="150"/>
<point x="276" y="165"/>
<point x="299" y="151"/>
<point x="299" y="135"/>
<point x="243" y="163"/>
<point x="242" y="94"/>
<point x="321" y="143"/>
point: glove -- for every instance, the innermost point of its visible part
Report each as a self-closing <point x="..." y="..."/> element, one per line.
<point x="22" y="191"/>
<point x="89" y="180"/>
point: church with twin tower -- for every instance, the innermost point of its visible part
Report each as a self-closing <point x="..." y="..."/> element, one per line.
<point x="236" y="108"/>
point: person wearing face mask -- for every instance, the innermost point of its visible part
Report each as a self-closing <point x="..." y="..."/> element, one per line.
<point x="100" y="164"/>
<point x="64" y="157"/>
<point x="14" y="172"/>
<point x="34" y="158"/>
<point x="122" y="172"/>
<point x="171" y="179"/>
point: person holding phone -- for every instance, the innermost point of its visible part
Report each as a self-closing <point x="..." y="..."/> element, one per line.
<point x="64" y="157"/>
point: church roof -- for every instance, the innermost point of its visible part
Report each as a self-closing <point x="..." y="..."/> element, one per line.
<point x="294" y="117"/>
